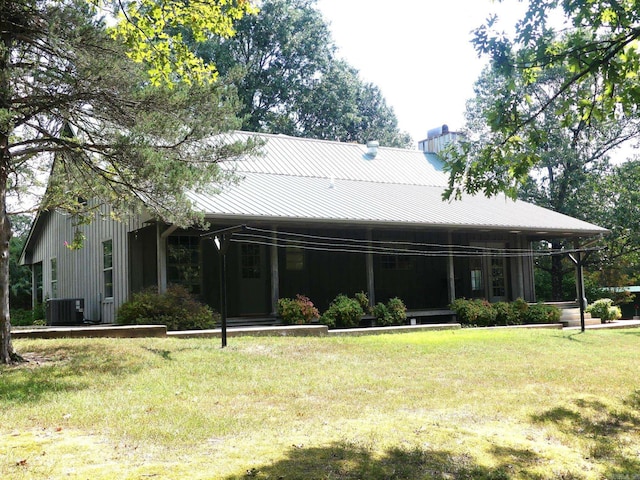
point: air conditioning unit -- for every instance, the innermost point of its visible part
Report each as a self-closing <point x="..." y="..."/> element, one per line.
<point x="65" y="311"/>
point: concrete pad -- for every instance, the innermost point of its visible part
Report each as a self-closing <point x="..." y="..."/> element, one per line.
<point x="92" y="331"/>
<point x="615" y="324"/>
<point x="553" y="326"/>
<point x="276" y="331"/>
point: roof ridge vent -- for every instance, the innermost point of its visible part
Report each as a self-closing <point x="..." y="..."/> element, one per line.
<point x="372" y="148"/>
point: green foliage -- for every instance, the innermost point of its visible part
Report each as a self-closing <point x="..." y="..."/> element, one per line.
<point x="19" y="275"/>
<point x="581" y="79"/>
<point x="363" y="300"/>
<point x="21" y="317"/>
<point x="343" y="312"/>
<point x="604" y="310"/>
<point x="475" y="312"/>
<point x="541" y="313"/>
<point x="393" y="313"/>
<point x="299" y="310"/>
<point x="176" y="308"/>
<point x="147" y="28"/>
<point x="480" y="313"/>
<point x="292" y="82"/>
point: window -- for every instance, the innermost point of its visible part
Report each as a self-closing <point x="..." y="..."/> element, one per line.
<point x="54" y="278"/>
<point x="107" y="268"/>
<point x="476" y="280"/>
<point x="183" y="262"/>
<point x="295" y="259"/>
<point x="250" y="261"/>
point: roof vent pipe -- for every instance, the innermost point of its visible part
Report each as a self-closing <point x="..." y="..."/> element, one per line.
<point x="372" y="148"/>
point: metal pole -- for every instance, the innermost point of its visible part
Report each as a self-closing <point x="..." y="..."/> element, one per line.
<point x="223" y="294"/>
<point x="581" y="301"/>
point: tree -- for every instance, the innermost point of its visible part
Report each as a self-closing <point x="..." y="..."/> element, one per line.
<point x="572" y="155"/>
<point x="619" y="211"/>
<point x="73" y="104"/>
<point x="597" y="56"/>
<point x="292" y="83"/>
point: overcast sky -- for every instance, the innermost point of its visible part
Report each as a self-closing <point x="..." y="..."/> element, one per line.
<point x="417" y="51"/>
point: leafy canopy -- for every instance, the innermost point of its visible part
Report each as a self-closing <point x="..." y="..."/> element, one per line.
<point x="291" y="82"/>
<point x="148" y="29"/>
<point x="596" y="51"/>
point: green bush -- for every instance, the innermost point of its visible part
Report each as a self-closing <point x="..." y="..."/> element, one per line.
<point x="381" y="312"/>
<point x="176" y="308"/>
<point x="299" y="310"/>
<point x="21" y="317"/>
<point x="541" y="313"/>
<point x="475" y="312"/>
<point x="604" y="310"/>
<point x="363" y="300"/>
<point x="482" y="313"/>
<point x="343" y="312"/>
<point x="397" y="310"/>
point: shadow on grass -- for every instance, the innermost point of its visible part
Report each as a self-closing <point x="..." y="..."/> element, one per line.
<point x="350" y="462"/>
<point x="51" y="370"/>
<point x="607" y="432"/>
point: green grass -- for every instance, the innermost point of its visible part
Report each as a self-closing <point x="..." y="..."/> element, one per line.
<point x="492" y="404"/>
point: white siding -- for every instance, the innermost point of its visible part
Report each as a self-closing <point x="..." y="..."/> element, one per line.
<point x="80" y="272"/>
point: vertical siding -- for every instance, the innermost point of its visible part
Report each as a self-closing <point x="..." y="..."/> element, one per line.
<point x="80" y="272"/>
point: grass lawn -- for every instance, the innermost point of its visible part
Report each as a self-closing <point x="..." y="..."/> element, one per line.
<point x="471" y="403"/>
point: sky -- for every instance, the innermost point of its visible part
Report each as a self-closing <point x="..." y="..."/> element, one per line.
<point x="417" y="51"/>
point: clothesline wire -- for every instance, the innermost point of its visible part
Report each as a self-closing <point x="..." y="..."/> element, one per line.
<point x="275" y="238"/>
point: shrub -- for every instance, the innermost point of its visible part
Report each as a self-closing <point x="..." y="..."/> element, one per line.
<point x="481" y="313"/>
<point x="397" y="311"/>
<point x="383" y="317"/>
<point x="604" y="310"/>
<point x="21" y="317"/>
<point x="176" y="308"/>
<point x="299" y="310"/>
<point x="363" y="300"/>
<point x="393" y="313"/>
<point x="343" y="312"/>
<point x="541" y="313"/>
<point x="474" y="312"/>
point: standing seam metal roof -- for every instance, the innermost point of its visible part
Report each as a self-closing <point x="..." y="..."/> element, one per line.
<point x="314" y="180"/>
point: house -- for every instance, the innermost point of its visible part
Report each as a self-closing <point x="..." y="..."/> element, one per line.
<point x="318" y="218"/>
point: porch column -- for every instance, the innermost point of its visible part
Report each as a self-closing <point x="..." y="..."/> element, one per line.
<point x="519" y="271"/>
<point x="451" y="272"/>
<point x="371" y="287"/>
<point x="275" y="273"/>
<point x="161" y="253"/>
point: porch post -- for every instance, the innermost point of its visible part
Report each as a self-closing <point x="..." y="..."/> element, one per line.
<point x="371" y="287"/>
<point x="275" y="273"/>
<point x="519" y="271"/>
<point x="161" y="249"/>
<point x="451" y="273"/>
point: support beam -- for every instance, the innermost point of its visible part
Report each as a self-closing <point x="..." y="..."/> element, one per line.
<point x="371" y="284"/>
<point x="161" y="254"/>
<point x="275" y="273"/>
<point x="451" y="271"/>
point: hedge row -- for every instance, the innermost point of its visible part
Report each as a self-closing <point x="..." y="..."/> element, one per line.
<point x="481" y="313"/>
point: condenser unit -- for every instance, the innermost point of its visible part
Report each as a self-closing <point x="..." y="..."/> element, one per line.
<point x="65" y="311"/>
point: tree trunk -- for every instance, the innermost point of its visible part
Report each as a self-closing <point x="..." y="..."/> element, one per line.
<point x="7" y="354"/>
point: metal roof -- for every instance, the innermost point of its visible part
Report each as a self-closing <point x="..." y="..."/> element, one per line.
<point x="306" y="180"/>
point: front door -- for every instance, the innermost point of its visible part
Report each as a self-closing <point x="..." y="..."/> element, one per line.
<point x="489" y="273"/>
<point x="253" y="296"/>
